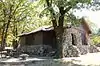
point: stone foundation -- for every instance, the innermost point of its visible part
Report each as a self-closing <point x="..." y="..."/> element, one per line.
<point x="37" y="50"/>
<point x="47" y="51"/>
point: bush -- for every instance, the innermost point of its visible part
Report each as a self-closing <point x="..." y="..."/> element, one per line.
<point x="95" y="39"/>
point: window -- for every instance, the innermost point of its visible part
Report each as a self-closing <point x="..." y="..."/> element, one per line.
<point x="74" y="39"/>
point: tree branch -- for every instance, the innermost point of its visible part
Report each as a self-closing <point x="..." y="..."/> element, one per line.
<point x="54" y="22"/>
<point x="48" y="4"/>
<point x="16" y="8"/>
<point x="61" y="18"/>
<point x="67" y="9"/>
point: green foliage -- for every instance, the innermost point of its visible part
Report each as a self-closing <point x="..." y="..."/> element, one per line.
<point x="95" y="39"/>
<point x="24" y="16"/>
<point x="53" y="8"/>
<point x="98" y="32"/>
<point x="13" y="14"/>
<point x="70" y="18"/>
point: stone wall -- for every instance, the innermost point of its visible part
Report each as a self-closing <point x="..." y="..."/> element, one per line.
<point x="78" y="48"/>
<point x="37" y="50"/>
<point x="69" y="49"/>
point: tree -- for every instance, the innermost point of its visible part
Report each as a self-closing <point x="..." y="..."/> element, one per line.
<point x="24" y="16"/>
<point x="57" y="10"/>
<point x="13" y="13"/>
<point x="71" y="18"/>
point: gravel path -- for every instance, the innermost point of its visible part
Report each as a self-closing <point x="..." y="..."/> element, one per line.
<point x="88" y="59"/>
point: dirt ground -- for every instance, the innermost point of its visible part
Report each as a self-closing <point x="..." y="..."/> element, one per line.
<point x="87" y="59"/>
<point x="90" y="59"/>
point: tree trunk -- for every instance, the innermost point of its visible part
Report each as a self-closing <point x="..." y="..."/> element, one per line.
<point x="6" y="25"/>
<point x="59" y="33"/>
<point x="3" y="31"/>
<point x="15" y="32"/>
<point x="3" y="34"/>
<point x="64" y="45"/>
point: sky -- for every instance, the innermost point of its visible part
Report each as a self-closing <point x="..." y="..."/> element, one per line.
<point x="94" y="16"/>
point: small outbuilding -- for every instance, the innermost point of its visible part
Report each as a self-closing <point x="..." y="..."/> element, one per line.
<point x="40" y="36"/>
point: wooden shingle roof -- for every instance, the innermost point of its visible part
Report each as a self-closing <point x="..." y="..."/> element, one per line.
<point x="44" y="28"/>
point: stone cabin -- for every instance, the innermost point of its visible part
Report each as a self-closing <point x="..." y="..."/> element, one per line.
<point x="45" y="36"/>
